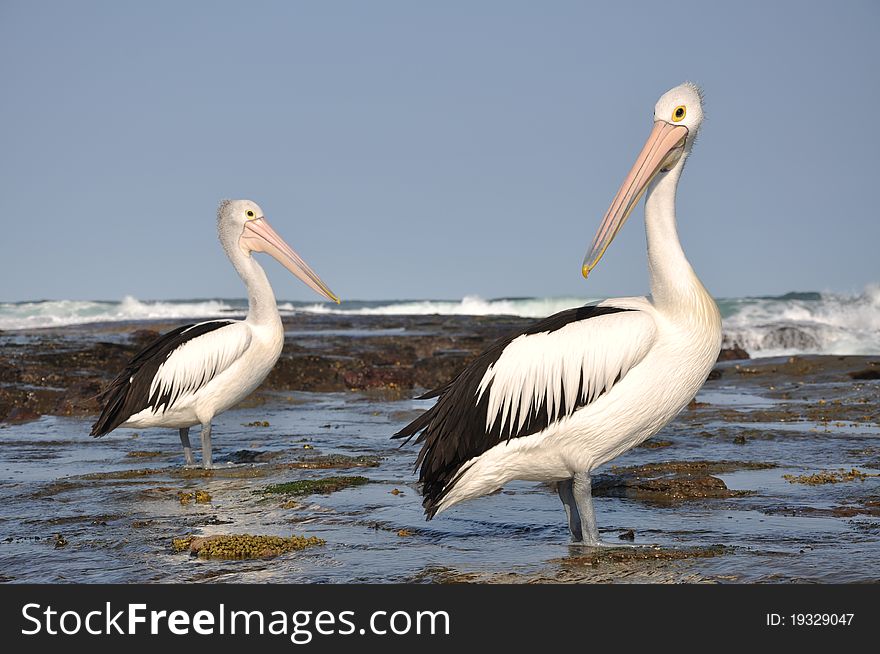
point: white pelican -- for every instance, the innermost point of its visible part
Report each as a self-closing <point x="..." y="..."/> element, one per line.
<point x="189" y="375"/>
<point x="581" y="387"/>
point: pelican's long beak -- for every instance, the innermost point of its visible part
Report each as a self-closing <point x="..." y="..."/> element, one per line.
<point x="662" y="150"/>
<point x="258" y="236"/>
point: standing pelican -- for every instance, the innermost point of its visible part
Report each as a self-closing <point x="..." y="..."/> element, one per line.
<point x="189" y="375"/>
<point x="577" y="389"/>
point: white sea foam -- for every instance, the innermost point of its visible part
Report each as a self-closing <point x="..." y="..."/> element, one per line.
<point x="470" y="305"/>
<point x="828" y="323"/>
<point x="832" y="324"/>
<point x="55" y="313"/>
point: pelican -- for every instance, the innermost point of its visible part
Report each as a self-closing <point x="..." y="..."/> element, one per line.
<point x="192" y="373"/>
<point x="573" y="391"/>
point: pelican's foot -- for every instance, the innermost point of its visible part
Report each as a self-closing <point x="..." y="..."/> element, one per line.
<point x="604" y="544"/>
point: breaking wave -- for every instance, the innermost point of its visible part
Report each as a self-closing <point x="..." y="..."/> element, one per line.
<point x="821" y="323"/>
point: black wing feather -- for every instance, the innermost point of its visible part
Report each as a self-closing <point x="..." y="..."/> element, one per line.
<point x="129" y="392"/>
<point x="453" y="431"/>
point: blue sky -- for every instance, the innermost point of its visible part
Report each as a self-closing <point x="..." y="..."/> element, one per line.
<point x="430" y="150"/>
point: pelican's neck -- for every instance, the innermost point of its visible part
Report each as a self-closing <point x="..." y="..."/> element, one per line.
<point x="262" y="309"/>
<point x="673" y="282"/>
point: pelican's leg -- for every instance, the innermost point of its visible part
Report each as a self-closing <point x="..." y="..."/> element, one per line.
<point x="581" y="489"/>
<point x="187" y="448"/>
<point x="564" y="488"/>
<point x="206" y="445"/>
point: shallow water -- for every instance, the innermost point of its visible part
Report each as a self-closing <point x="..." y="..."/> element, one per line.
<point x="120" y="529"/>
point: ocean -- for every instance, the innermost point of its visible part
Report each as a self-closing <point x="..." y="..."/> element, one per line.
<point x="794" y="323"/>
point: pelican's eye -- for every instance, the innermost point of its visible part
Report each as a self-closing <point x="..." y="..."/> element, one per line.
<point x="679" y="113"/>
<point x="250" y="214"/>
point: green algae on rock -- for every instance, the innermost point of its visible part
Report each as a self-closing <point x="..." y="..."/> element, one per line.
<point x="314" y="486"/>
<point x="199" y="497"/>
<point x="242" y="546"/>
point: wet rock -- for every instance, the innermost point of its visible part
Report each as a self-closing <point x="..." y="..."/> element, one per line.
<point x="145" y="454"/>
<point x="829" y="477"/>
<point x="628" y="535"/>
<point x="320" y="374"/>
<point x="789" y="338"/>
<point x="865" y="508"/>
<point x="598" y="556"/>
<point x="733" y="353"/>
<point x="675" y="488"/>
<point x="675" y="481"/>
<point x="714" y="374"/>
<point x="123" y="474"/>
<point x="238" y="472"/>
<point x="389" y="376"/>
<point x="338" y="461"/>
<point x="143" y="337"/>
<point x="9" y="373"/>
<point x="443" y="575"/>
<point x="794" y="367"/>
<point x="867" y="374"/>
<point x="252" y="456"/>
<point x="214" y="520"/>
<point x="22" y="414"/>
<point x="441" y="367"/>
<point x="692" y="467"/>
<point x="655" y="443"/>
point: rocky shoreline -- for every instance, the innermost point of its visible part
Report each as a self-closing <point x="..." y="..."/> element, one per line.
<point x="60" y="371"/>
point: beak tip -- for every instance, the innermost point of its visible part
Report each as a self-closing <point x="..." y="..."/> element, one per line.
<point x="585" y="271"/>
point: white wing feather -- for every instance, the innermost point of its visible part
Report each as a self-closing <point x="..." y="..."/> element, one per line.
<point x="196" y="362"/>
<point x="551" y="365"/>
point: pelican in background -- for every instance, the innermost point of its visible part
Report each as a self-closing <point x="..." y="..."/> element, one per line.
<point x="575" y="390"/>
<point x="191" y="374"/>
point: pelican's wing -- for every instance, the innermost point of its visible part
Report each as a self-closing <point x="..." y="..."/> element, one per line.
<point x="197" y="361"/>
<point x="175" y="364"/>
<point x="527" y="382"/>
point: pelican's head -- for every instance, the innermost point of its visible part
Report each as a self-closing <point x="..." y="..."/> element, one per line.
<point x="677" y="118"/>
<point x="241" y="224"/>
